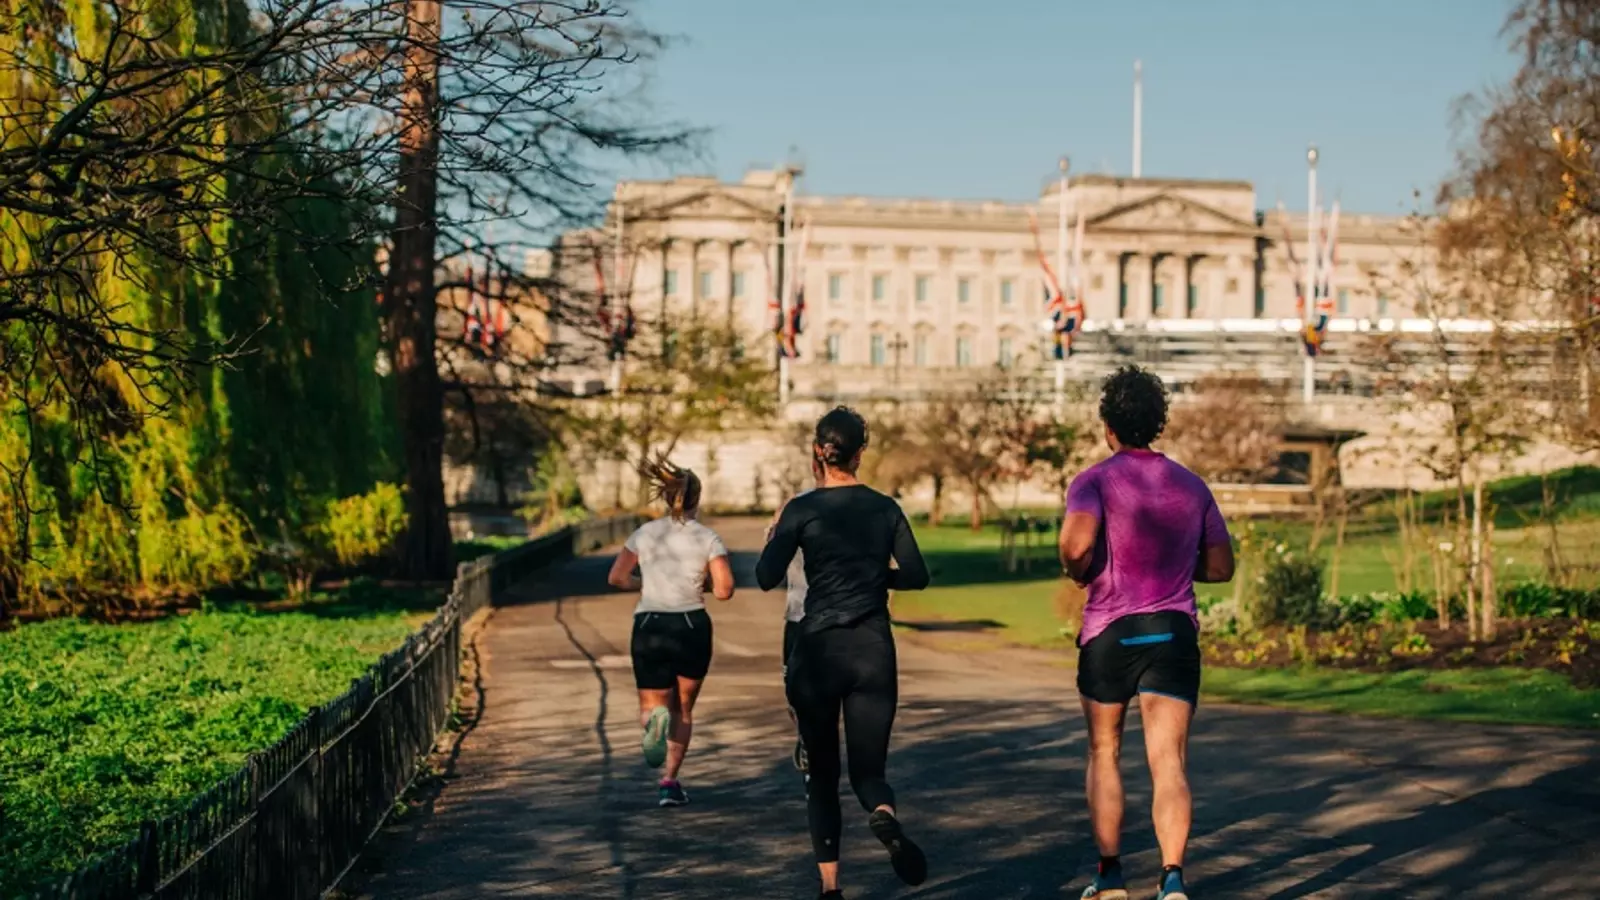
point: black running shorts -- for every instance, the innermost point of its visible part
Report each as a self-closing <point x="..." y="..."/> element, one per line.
<point x="1158" y="653"/>
<point x="669" y="646"/>
<point x="791" y="634"/>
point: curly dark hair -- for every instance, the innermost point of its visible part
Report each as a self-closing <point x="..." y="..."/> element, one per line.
<point x="1133" y="405"/>
<point x="841" y="434"/>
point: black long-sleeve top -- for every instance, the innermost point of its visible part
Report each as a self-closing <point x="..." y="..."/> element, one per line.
<point x="848" y="535"/>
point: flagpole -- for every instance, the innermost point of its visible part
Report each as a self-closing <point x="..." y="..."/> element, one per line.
<point x="616" y="312"/>
<point x="788" y="280"/>
<point x="1313" y="274"/>
<point x="1061" y="267"/>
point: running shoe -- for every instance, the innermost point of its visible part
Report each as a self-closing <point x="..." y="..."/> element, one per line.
<point x="802" y="760"/>
<point x="1106" y="887"/>
<point x="832" y="895"/>
<point x="655" y="737"/>
<point x="1171" y="887"/>
<point x="904" y="854"/>
<point x="672" y="794"/>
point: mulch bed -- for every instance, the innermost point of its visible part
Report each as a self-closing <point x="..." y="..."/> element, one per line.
<point x="1565" y="646"/>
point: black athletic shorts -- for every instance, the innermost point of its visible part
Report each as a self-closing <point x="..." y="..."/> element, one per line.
<point x="791" y="634"/>
<point x="669" y="646"/>
<point x="1158" y="653"/>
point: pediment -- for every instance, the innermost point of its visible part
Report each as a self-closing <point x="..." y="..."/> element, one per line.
<point x="713" y="204"/>
<point x="1169" y="212"/>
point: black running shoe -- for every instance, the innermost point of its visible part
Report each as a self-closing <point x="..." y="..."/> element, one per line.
<point x="904" y="854"/>
<point x="832" y="895"/>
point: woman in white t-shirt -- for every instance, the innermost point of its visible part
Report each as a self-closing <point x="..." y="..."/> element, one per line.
<point x="678" y="559"/>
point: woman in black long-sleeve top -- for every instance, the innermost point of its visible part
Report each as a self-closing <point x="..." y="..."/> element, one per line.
<point x="845" y="658"/>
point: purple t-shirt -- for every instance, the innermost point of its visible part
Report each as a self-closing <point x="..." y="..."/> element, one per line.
<point x="1155" y="516"/>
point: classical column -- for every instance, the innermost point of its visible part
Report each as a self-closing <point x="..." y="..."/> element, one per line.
<point x="1140" y="278"/>
<point x="1160" y="266"/>
<point x="1190" y="285"/>
<point x="731" y="246"/>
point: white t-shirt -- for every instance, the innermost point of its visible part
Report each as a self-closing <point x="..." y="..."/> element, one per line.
<point x="672" y="564"/>
<point x="795" y="606"/>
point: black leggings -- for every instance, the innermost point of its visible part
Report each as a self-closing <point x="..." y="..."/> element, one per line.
<point x="852" y="667"/>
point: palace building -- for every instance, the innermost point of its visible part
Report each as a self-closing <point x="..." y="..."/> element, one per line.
<point x="909" y="293"/>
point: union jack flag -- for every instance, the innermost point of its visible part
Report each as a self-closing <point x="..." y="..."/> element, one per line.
<point x="1064" y="309"/>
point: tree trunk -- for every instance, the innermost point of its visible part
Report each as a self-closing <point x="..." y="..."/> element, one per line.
<point x="1482" y="554"/>
<point x="1462" y="548"/>
<point x="411" y="303"/>
<point x="975" y="517"/>
<point x="936" y="511"/>
<point x="1343" y="519"/>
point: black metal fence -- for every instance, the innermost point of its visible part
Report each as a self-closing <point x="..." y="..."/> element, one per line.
<point x="290" y="823"/>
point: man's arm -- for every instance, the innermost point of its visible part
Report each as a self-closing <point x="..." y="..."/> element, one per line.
<point x="1080" y="527"/>
<point x="1079" y="531"/>
<point x="1215" y="564"/>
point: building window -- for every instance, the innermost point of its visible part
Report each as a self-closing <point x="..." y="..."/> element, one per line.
<point x="964" y="291"/>
<point x="1005" y="292"/>
<point x="831" y="349"/>
<point x="1005" y="353"/>
<point x="705" y="284"/>
<point x="1122" y="300"/>
<point x="1344" y="302"/>
<point x="1158" y="298"/>
<point x="922" y="289"/>
<point x="1383" y="305"/>
<point x="835" y="286"/>
<point x="919" y="351"/>
<point x="738" y="284"/>
<point x="1194" y="299"/>
<point x="878" y="288"/>
<point x="877" y="350"/>
<point x="672" y="282"/>
<point x="963" y="352"/>
<point x="1261" y="302"/>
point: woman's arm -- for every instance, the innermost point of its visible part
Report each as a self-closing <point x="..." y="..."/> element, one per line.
<point x="784" y="540"/>
<point x="721" y="578"/>
<point x="912" y="574"/>
<point x="622" y="577"/>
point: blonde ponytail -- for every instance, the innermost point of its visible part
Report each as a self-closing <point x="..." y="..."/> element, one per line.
<point x="678" y="488"/>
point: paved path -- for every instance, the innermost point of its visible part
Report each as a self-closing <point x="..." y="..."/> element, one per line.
<point x="549" y="796"/>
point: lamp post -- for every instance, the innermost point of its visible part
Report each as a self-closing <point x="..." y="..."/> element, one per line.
<point x="898" y="345"/>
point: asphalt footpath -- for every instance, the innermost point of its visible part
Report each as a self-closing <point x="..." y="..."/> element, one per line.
<point x="547" y="795"/>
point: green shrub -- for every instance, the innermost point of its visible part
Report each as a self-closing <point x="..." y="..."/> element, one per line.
<point x="1533" y="599"/>
<point x="1288" y="590"/>
<point x="361" y="528"/>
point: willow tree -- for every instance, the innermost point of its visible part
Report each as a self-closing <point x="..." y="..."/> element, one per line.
<point x="160" y="173"/>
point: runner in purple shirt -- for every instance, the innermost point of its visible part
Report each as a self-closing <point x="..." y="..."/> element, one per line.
<point x="1139" y="531"/>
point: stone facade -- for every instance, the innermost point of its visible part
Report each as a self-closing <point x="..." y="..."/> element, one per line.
<point x="901" y="291"/>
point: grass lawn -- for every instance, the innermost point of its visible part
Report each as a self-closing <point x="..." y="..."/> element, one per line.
<point x="971" y="591"/>
<point x="1514" y="696"/>
<point x="104" y="726"/>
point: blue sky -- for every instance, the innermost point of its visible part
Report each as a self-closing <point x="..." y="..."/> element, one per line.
<point x="951" y="98"/>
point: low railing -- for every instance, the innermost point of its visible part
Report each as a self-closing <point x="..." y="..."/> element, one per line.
<point x="291" y="822"/>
